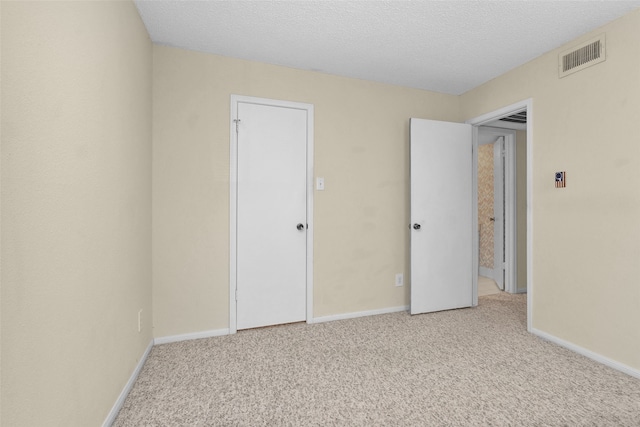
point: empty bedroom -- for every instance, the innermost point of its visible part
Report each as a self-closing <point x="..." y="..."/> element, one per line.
<point x="274" y="213"/>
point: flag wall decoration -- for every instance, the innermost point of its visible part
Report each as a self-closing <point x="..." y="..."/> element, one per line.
<point x="561" y="179"/>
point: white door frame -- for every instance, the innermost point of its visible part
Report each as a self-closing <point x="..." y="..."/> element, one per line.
<point x="526" y="104"/>
<point x="233" y="198"/>
<point x="510" y="208"/>
<point x="500" y="201"/>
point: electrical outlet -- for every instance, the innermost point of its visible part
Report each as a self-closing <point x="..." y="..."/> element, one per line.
<point x="399" y="279"/>
<point x="140" y="320"/>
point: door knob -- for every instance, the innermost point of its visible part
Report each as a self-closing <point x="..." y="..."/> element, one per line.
<point x="300" y="227"/>
<point x="416" y="226"/>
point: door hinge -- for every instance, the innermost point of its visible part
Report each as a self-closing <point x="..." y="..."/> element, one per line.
<point x="236" y="294"/>
<point x="237" y="122"/>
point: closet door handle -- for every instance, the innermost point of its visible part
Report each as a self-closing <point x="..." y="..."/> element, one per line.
<point x="300" y="227"/>
<point x="416" y="226"/>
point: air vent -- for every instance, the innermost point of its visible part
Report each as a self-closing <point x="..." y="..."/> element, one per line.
<point x="520" y="118"/>
<point x="583" y="56"/>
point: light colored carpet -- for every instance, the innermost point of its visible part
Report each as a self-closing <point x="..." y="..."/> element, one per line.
<point x="487" y="286"/>
<point x="470" y="367"/>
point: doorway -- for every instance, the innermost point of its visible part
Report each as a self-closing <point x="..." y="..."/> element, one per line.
<point x="497" y="220"/>
<point x="518" y="222"/>
<point x="490" y="214"/>
<point x="271" y="207"/>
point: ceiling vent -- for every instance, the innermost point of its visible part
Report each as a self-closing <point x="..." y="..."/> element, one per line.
<point x="582" y="56"/>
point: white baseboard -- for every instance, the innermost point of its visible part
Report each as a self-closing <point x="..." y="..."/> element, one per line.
<point x="486" y="272"/>
<point x="113" y="413"/>
<point x="191" y="336"/>
<point x="588" y="353"/>
<point x="359" y="314"/>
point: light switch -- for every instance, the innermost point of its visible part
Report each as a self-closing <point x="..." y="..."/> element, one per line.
<point x="319" y="183"/>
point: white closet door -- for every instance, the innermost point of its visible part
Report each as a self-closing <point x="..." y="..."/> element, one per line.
<point x="271" y="215"/>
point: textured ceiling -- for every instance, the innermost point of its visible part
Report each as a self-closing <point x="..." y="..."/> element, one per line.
<point x="443" y="46"/>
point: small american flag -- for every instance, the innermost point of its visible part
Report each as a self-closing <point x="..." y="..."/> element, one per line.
<point x="561" y="179"/>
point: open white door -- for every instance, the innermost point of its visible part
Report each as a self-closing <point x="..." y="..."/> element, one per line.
<point x="441" y="216"/>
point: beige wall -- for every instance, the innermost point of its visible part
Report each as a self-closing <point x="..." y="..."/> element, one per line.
<point x="521" y="210"/>
<point x="76" y="208"/>
<point x="0" y="215"/>
<point x="361" y="149"/>
<point x="586" y="237"/>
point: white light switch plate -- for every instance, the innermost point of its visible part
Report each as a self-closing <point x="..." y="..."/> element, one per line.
<point x="319" y="183"/>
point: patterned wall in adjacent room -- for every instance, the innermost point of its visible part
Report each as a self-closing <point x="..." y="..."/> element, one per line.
<point x="485" y="204"/>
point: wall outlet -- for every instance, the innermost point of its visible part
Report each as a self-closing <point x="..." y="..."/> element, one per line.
<point x="140" y="320"/>
<point x="399" y="279"/>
